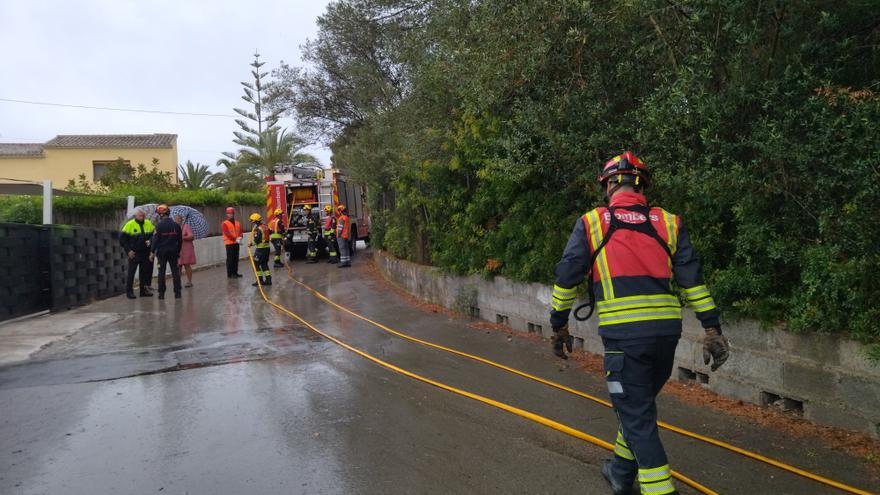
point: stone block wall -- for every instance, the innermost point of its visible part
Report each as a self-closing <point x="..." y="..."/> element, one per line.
<point x="826" y="379"/>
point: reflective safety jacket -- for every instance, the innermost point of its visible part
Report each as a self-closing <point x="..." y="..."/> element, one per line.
<point x="343" y="229"/>
<point x="633" y="272"/>
<point x="276" y="225"/>
<point x="260" y="236"/>
<point x="135" y="236"/>
<point x="312" y="224"/>
<point x="231" y="231"/>
<point x="330" y="226"/>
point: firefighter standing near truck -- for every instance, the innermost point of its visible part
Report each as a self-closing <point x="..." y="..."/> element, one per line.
<point x="330" y="235"/>
<point x="313" y="233"/>
<point x="631" y="254"/>
<point x="343" y="234"/>
<point x="260" y="242"/>
<point x="276" y="228"/>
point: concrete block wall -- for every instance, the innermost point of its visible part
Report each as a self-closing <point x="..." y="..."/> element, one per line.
<point x="826" y="379"/>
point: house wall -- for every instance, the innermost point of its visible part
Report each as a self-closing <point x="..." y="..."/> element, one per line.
<point x="63" y="164"/>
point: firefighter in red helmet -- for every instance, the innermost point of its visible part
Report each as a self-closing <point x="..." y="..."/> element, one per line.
<point x="629" y="254"/>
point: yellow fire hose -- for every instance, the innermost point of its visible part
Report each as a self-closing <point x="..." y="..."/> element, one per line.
<point x="464" y="393"/>
<point x="681" y="431"/>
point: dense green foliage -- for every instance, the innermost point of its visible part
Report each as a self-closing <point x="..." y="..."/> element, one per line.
<point x="28" y="209"/>
<point x="480" y="126"/>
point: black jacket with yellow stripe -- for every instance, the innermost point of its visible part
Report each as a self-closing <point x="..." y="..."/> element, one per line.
<point x="633" y="273"/>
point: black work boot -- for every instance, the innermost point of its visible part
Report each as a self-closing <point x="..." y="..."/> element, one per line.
<point x="145" y="293"/>
<point x="130" y="295"/>
<point x="268" y="280"/>
<point x="617" y="487"/>
<point x="161" y="296"/>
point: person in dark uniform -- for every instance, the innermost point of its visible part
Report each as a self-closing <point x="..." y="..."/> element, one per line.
<point x="629" y="254"/>
<point x="276" y="235"/>
<point x="330" y="235"/>
<point x="312" y="230"/>
<point x="167" y="241"/>
<point x="135" y="239"/>
<point x="260" y="242"/>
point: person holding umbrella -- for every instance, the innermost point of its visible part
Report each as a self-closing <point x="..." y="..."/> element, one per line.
<point x="188" y="251"/>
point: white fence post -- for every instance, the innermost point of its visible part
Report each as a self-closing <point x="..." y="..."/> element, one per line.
<point x="130" y="209"/>
<point x="47" y="202"/>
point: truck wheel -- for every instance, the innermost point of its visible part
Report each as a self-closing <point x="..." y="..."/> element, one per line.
<point x="354" y="239"/>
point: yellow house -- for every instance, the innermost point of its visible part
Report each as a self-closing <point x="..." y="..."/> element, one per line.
<point x="65" y="157"/>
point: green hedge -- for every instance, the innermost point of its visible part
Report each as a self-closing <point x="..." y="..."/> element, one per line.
<point x="28" y="209"/>
<point x="760" y="119"/>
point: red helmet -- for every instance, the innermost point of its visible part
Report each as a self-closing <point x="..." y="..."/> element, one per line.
<point x="626" y="164"/>
<point x="230" y="210"/>
<point x="162" y="209"/>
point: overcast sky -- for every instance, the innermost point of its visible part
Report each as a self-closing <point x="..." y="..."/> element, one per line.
<point x="172" y="55"/>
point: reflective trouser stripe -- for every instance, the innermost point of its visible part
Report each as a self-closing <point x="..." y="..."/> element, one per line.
<point x="621" y="449"/>
<point x="656" y="480"/>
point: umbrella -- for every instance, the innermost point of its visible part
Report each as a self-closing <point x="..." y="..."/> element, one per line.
<point x="192" y="217"/>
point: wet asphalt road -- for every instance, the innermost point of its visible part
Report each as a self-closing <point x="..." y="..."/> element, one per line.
<point x="218" y="393"/>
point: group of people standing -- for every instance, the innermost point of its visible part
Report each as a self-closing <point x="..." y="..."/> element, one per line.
<point x="170" y="242"/>
<point x="271" y="234"/>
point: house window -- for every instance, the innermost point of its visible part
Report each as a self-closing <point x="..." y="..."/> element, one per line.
<point x="100" y="166"/>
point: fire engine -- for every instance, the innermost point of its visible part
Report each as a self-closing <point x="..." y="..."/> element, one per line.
<point x="293" y="187"/>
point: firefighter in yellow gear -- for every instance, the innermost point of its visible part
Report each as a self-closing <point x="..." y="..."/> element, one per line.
<point x="276" y="235"/>
<point x="260" y="243"/>
<point x="330" y="235"/>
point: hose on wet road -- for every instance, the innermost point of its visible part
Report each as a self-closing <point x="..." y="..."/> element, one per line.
<point x="681" y="431"/>
<point x="464" y="393"/>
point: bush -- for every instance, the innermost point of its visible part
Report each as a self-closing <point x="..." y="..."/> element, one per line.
<point x="28" y="209"/>
<point x="758" y="118"/>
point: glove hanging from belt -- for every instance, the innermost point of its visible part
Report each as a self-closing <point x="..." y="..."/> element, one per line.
<point x="561" y="339"/>
<point x="715" y="348"/>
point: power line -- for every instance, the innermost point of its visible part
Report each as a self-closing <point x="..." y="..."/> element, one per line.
<point x="137" y="110"/>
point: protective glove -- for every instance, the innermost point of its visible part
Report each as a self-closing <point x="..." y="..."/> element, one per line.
<point x="715" y="346"/>
<point x="561" y="338"/>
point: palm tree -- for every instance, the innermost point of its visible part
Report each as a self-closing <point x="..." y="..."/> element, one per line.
<point x="274" y="147"/>
<point x="238" y="176"/>
<point x="196" y="176"/>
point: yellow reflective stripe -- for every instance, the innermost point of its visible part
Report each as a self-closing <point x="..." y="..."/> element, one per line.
<point x="624" y="452"/>
<point x="706" y="305"/>
<point x="693" y="292"/>
<point x="562" y="290"/>
<point x="638" y="301"/>
<point x="671" y="230"/>
<point x="630" y="316"/>
<point x="561" y="305"/>
<point x="653" y="474"/>
<point x="663" y="488"/>
<point x="602" y="260"/>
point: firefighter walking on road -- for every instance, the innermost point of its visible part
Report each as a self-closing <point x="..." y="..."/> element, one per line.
<point x="260" y="242"/>
<point x="343" y="234"/>
<point x="135" y="239"/>
<point x="276" y="228"/>
<point x="313" y="232"/>
<point x="630" y="254"/>
<point x="330" y="235"/>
